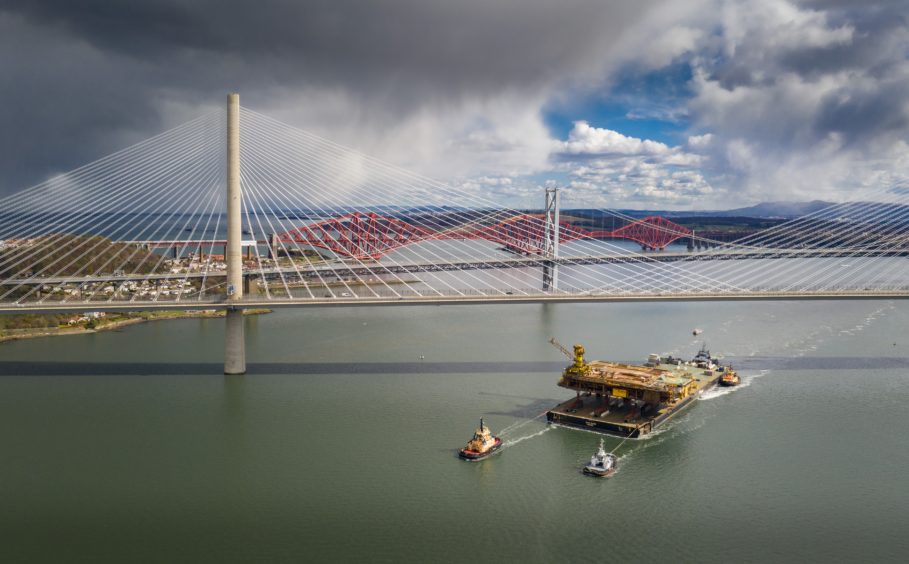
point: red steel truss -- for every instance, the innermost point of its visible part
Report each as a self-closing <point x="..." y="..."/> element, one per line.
<point x="357" y="235"/>
<point x="371" y="236"/>
<point x="525" y="233"/>
<point x="653" y="232"/>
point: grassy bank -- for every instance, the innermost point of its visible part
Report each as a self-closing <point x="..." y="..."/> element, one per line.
<point x="14" y="327"/>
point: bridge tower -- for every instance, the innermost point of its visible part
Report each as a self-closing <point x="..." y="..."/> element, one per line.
<point x="551" y="240"/>
<point x="234" y="333"/>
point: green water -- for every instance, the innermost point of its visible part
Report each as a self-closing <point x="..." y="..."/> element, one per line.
<point x="306" y="459"/>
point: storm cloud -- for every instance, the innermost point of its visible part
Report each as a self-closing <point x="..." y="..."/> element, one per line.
<point x="807" y="99"/>
<point x="786" y="99"/>
<point x="81" y="79"/>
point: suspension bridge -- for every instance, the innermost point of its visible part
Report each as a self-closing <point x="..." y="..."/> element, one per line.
<point x="242" y="211"/>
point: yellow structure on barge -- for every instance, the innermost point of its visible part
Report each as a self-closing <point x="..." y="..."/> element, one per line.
<point x="629" y="400"/>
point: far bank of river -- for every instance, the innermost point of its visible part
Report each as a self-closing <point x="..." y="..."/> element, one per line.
<point x="112" y="322"/>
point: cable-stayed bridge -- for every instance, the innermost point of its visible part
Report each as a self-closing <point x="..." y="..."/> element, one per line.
<point x="240" y="210"/>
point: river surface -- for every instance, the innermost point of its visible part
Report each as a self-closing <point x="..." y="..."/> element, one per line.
<point x="339" y="445"/>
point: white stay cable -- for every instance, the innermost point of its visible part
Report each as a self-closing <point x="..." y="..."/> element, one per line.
<point x="541" y="261"/>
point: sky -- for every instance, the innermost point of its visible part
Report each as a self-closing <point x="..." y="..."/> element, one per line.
<point x="652" y="104"/>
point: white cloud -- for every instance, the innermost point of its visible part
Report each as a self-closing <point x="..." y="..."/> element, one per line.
<point x="789" y="100"/>
<point x="668" y="45"/>
<point x="700" y="142"/>
<point x="586" y="140"/>
<point x="496" y="137"/>
<point x="638" y="184"/>
<point x="801" y="99"/>
<point x="778" y="25"/>
<point x="781" y="106"/>
<point x="603" y="167"/>
<point x="495" y="180"/>
<point x="788" y="97"/>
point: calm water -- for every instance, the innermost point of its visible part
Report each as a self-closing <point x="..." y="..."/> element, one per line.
<point x="340" y="443"/>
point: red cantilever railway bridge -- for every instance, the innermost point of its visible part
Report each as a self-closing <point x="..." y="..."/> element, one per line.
<point x="371" y="235"/>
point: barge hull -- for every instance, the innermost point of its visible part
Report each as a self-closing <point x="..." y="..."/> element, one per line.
<point x="570" y="414"/>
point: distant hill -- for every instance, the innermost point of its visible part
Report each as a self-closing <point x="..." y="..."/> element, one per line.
<point x="779" y="209"/>
<point x="766" y="210"/>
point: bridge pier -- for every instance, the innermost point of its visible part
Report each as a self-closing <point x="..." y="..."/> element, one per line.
<point x="234" y="342"/>
<point x="250" y="284"/>
<point x="273" y="246"/>
<point x="234" y="333"/>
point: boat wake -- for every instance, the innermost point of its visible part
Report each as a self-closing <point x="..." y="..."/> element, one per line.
<point x="513" y="442"/>
<point x="659" y="436"/>
<point x="869" y="319"/>
<point x="518" y="424"/>
<point x="812" y="341"/>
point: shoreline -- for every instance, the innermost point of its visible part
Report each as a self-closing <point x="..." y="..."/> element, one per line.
<point x="142" y="317"/>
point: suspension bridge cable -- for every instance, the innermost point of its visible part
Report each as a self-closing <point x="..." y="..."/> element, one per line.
<point x="560" y="226"/>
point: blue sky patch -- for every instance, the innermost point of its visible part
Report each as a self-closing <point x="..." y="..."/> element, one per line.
<point x="645" y="105"/>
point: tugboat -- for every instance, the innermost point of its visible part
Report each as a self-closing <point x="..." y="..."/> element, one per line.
<point x="481" y="445"/>
<point x="729" y="377"/>
<point x="602" y="464"/>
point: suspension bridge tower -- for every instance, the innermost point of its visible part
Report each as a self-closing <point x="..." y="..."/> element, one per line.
<point x="551" y="241"/>
<point x="235" y="338"/>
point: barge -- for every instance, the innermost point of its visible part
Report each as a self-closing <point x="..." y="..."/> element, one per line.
<point x="630" y="400"/>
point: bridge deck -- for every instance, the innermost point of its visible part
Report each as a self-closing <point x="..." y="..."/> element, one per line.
<point x="359" y="268"/>
<point x="114" y="306"/>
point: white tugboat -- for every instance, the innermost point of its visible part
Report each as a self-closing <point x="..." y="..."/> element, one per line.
<point x="703" y="359"/>
<point x="602" y="464"/>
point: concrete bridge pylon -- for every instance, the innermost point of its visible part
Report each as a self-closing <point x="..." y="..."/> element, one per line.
<point x="551" y="241"/>
<point x="234" y="331"/>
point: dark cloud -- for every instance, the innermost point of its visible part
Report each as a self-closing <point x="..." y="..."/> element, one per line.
<point x="862" y="113"/>
<point x="798" y="93"/>
<point x="82" y="78"/>
<point x="870" y="41"/>
<point x="805" y="98"/>
<point x="474" y="40"/>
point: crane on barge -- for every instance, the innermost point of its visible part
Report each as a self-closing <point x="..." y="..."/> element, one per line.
<point x="579" y="365"/>
<point x="602" y="464"/>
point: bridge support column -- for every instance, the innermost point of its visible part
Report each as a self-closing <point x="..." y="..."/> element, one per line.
<point x="251" y="284"/>
<point x="273" y="246"/>
<point x="234" y="342"/>
<point x="234" y="334"/>
<point x="551" y="241"/>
